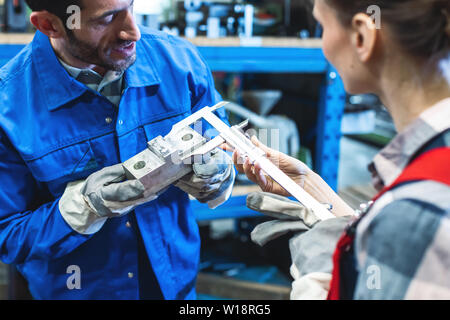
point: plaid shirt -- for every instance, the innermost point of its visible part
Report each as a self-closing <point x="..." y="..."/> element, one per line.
<point x="402" y="245"/>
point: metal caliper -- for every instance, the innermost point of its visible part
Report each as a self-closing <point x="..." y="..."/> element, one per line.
<point x="168" y="159"/>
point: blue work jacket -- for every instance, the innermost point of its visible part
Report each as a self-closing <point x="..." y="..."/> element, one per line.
<point x="54" y="130"/>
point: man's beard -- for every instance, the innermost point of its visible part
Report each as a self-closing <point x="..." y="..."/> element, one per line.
<point x="85" y="52"/>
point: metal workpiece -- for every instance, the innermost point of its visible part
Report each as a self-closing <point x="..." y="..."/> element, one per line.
<point x="168" y="159"/>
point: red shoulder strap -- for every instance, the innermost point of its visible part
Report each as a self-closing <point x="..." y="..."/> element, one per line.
<point x="432" y="165"/>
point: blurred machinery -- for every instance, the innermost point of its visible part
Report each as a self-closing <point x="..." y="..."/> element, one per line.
<point x="248" y="18"/>
<point x="276" y="131"/>
<point x="217" y="19"/>
<point x="2" y="15"/>
<point x="360" y="114"/>
<point x="193" y="17"/>
<point x="368" y="120"/>
<point x="148" y="13"/>
<point x="15" y="16"/>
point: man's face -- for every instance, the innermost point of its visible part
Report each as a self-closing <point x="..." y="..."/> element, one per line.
<point x="108" y="34"/>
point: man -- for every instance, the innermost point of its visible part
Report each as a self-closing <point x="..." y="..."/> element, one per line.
<point x="75" y="103"/>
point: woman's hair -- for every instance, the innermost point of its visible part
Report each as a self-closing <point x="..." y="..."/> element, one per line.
<point x="421" y="27"/>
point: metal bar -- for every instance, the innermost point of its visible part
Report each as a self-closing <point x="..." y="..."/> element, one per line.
<point x="240" y="142"/>
<point x="197" y="116"/>
<point x="217" y="141"/>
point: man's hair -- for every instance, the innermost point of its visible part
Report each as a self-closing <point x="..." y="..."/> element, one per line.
<point x="57" y="7"/>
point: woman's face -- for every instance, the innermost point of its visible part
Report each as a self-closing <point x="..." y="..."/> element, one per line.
<point x="338" y="48"/>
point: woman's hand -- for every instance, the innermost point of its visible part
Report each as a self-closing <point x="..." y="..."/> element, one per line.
<point x="292" y="167"/>
<point x="297" y="171"/>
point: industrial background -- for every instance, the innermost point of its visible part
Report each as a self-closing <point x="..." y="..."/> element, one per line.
<point x="266" y="57"/>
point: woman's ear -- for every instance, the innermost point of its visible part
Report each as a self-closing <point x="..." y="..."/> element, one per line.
<point x="48" y="24"/>
<point x="364" y="36"/>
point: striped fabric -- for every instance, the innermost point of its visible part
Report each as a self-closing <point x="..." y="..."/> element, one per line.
<point x="403" y="243"/>
<point x="110" y="86"/>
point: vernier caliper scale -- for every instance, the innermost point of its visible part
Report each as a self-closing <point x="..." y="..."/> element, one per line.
<point x="169" y="158"/>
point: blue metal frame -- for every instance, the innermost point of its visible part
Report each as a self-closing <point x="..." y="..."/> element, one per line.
<point x="273" y="60"/>
<point x="234" y="208"/>
<point x="265" y="59"/>
<point x="331" y="110"/>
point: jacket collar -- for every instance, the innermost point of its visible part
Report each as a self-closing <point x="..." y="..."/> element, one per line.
<point x="143" y="72"/>
<point x="60" y="88"/>
<point x="57" y="86"/>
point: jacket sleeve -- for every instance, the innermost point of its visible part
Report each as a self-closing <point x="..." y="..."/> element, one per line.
<point x="31" y="226"/>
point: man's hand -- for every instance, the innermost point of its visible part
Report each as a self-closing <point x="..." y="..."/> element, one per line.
<point x="109" y="194"/>
<point x="211" y="181"/>
<point x="86" y="204"/>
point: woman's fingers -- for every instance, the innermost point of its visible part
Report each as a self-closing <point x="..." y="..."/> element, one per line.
<point x="225" y="146"/>
<point x="261" y="178"/>
<point x="249" y="171"/>
<point x="253" y="171"/>
<point x="238" y="161"/>
<point x="262" y="146"/>
<point x="273" y="155"/>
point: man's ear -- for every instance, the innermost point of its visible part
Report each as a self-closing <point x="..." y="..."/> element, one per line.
<point x="48" y="24"/>
<point x="364" y="36"/>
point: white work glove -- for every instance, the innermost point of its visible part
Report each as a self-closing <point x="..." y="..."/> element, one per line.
<point x="312" y="244"/>
<point x="87" y="204"/>
<point x="210" y="181"/>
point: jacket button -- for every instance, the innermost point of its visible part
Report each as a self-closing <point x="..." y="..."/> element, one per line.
<point x="130" y="275"/>
<point x="120" y="122"/>
<point x="108" y="120"/>
<point x="128" y="224"/>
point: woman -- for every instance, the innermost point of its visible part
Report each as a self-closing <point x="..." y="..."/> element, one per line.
<point x="404" y="236"/>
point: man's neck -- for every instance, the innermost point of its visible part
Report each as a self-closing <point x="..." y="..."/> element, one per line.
<point x="72" y="61"/>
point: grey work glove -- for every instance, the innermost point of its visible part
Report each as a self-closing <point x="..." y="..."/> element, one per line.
<point x="211" y="181"/>
<point x="311" y="247"/>
<point x="312" y="251"/>
<point x="86" y="204"/>
<point x="312" y="258"/>
<point x="290" y="216"/>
